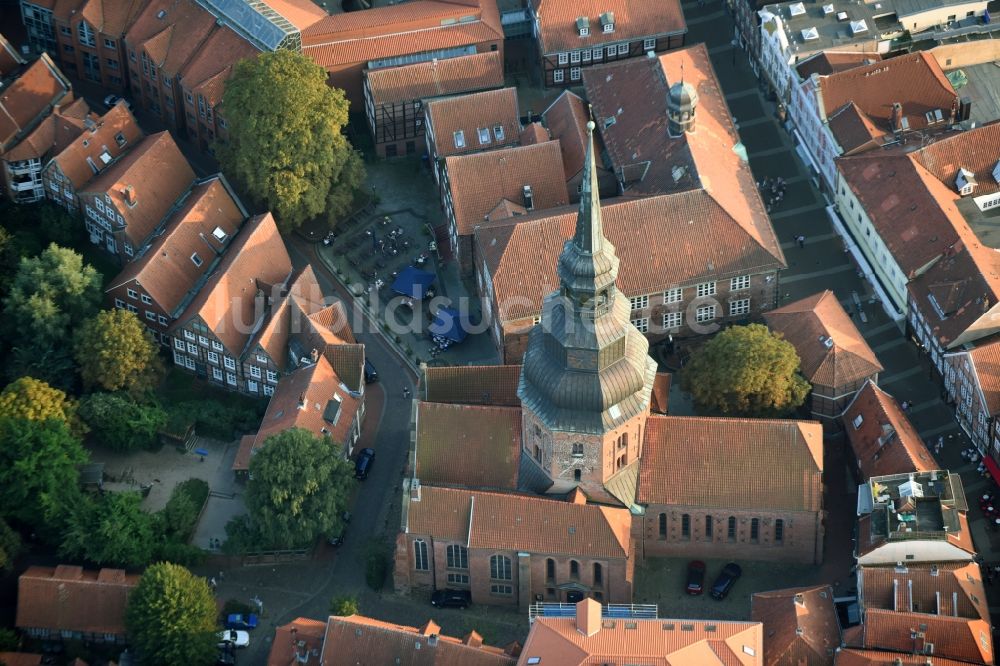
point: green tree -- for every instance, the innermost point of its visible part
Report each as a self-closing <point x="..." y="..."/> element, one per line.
<point x="121" y="423"/>
<point x="115" y="352"/>
<point x="10" y="547"/>
<point x="34" y="400"/>
<point x="39" y="482"/>
<point x="286" y="147"/>
<point x="50" y="295"/>
<point x="171" y="617"/>
<point x="112" y="529"/>
<point x="8" y="640"/>
<point x="343" y="606"/>
<point x="745" y="371"/>
<point x="298" y="489"/>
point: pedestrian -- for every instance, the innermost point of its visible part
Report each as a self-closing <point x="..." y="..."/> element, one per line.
<point x="801" y="240"/>
<point x="222" y="575"/>
<point x="940" y="441"/>
<point x="212" y="584"/>
<point x="406" y="391"/>
<point x="905" y="406"/>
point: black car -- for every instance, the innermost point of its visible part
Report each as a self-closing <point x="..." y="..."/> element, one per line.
<point x="725" y="580"/>
<point x="451" y="598"/>
<point x="363" y="464"/>
<point x="371" y="375"/>
<point x="695" y="578"/>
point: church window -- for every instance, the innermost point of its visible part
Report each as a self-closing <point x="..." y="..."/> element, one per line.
<point x="708" y="527"/>
<point x="754" y="529"/>
<point x="731" y="531"/>
<point x="577" y="474"/>
<point x="686" y="526"/>
<point x="420" y="555"/>
<point x="578" y="449"/>
<point x="663" y="525"/>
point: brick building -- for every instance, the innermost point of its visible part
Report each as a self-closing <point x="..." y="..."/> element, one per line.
<point x="835" y="358"/>
<point x="972" y="383"/>
<point x="574" y="36"/>
<point x="801" y="625"/>
<point x="395" y="97"/>
<point x="566" y="120"/>
<point x="89" y="39"/>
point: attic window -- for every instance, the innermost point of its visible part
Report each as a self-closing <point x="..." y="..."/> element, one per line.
<point x="608" y="22"/>
<point x="498" y="132"/>
<point x="196" y="260"/>
<point x="858" y="420"/>
<point x="996" y="172"/>
<point x="460" y="139"/>
<point x="220" y="235"/>
<point x="583" y="26"/>
<point x="534" y="660"/>
<point x="160" y="14"/>
<point x="120" y="139"/>
<point x="609" y="121"/>
<point x="484" y="135"/>
<point x="106" y="157"/>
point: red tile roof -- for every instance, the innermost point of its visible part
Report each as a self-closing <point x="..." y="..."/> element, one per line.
<point x="702" y="240"/>
<point x="854" y="657"/>
<point x="467" y="445"/>
<point x="469" y="113"/>
<point x="986" y="363"/>
<point x="69" y="598"/>
<point x="300" y="13"/>
<point x="10" y="59"/>
<point x="165" y="269"/>
<point x="506" y="521"/>
<point x="884" y="442"/>
<point x="660" y="395"/>
<point x="299" y="636"/>
<point x="480" y="181"/>
<point x="356" y="639"/>
<point x="976" y="150"/>
<point x="634" y="92"/>
<point x="54" y="134"/>
<point x="29" y="97"/>
<point x="567" y="119"/>
<point x="20" y="659"/>
<point x="533" y="133"/>
<point x="256" y="259"/>
<point x="800" y="625"/>
<point x="831" y="62"/>
<point x="854" y="130"/>
<point x="914" y="80"/>
<point x="101" y="139"/>
<point x="732" y="463"/>
<point x="833" y="351"/>
<point x="633" y="19"/>
<point x="207" y="70"/>
<point x="949" y="588"/>
<point x="445" y="76"/>
<point x="173" y="37"/>
<point x="111" y="17"/>
<point x="953" y="637"/>
<point x="158" y="174"/>
<point x="473" y="384"/>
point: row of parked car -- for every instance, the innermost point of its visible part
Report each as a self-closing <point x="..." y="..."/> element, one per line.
<point x="723" y="582"/>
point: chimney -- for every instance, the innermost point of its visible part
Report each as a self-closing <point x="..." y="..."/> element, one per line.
<point x="897" y="117"/>
<point x="415" y="490"/>
<point x="129" y="194"/>
<point x="314" y="355"/>
<point x="588" y="617"/>
<point x="800" y="600"/>
<point x="473" y="640"/>
<point x="529" y="200"/>
<point x="432" y="640"/>
<point x="302" y="401"/>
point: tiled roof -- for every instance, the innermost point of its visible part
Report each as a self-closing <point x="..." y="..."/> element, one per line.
<point x="256" y="259"/>
<point x="356" y="639"/>
<point x="289" y="638"/>
<point x="914" y="80"/>
<point x="504" y="521"/>
<point x="950" y="588"/>
<point x="300" y="13"/>
<point x="468" y="114"/>
<point x="473" y="384"/>
<point x="533" y="133"/>
<point x="567" y="119"/>
<point x="466" y="445"/>
<point x="20" y="659"/>
<point x="855" y="657"/>
<point x="986" y="361"/>
<point x="54" y="134"/>
<point x="633" y="19"/>
<point x="831" y="62"/>
<point x="660" y="396"/>
<point x="832" y="350"/>
<point x="446" y="76"/>
<point x="209" y="68"/>
<point x="953" y="637"/>
<point x="10" y="59"/>
<point x="662" y="241"/>
<point x="101" y="140"/>
<point x="800" y="625"/>
<point x="73" y="599"/>
<point x="29" y="97"/>
<point x="732" y="463"/>
<point x="158" y="174"/>
<point x="634" y="92"/>
<point x="854" y="130"/>
<point x="660" y="642"/>
<point x="479" y="182"/>
<point x="165" y="269"/>
<point x="976" y="150"/>
<point x="885" y="442"/>
<point x="871" y="539"/>
<point x="300" y="298"/>
<point x="170" y="40"/>
<point x="395" y="30"/>
<point x="308" y="399"/>
<point x="111" y="17"/>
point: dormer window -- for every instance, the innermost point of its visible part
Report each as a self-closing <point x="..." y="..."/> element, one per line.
<point x="965" y="181"/>
<point x="220" y="235"/>
<point x="608" y="22"/>
<point x="460" y="139"/>
<point x="484" y="135"/>
<point x="498" y="133"/>
<point x="583" y="26"/>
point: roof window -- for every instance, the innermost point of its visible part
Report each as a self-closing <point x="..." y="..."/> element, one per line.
<point x="608" y="22"/>
<point x="484" y="135"/>
<point x="827" y="10"/>
<point x="809" y="34"/>
<point x="196" y="260"/>
<point x="120" y="139"/>
<point x="583" y="26"/>
<point x="857" y="27"/>
<point x="220" y="234"/>
<point x="498" y="133"/>
<point x="460" y="139"/>
<point x="797" y="9"/>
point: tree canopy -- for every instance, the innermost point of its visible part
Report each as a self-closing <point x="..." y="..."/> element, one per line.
<point x="115" y="352"/>
<point x="111" y="530"/>
<point x="34" y="400"/>
<point x="745" y="371"/>
<point x="171" y="617"/>
<point x="119" y="422"/>
<point x="298" y="489"/>
<point x="10" y="546"/>
<point x="38" y="475"/>
<point x="286" y="147"/>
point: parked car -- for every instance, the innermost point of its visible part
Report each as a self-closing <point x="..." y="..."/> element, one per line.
<point x="451" y="598"/>
<point x="371" y="375"/>
<point x="240" y="639"/>
<point x="696" y="577"/>
<point x="364" y="463"/>
<point x="725" y="580"/>
<point x="111" y="100"/>
<point x="241" y="621"/>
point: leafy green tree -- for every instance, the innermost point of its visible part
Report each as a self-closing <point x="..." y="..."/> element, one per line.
<point x="112" y="529"/>
<point x="745" y="371"/>
<point x="121" y="423"/>
<point x="344" y="606"/>
<point x="181" y="512"/>
<point x="298" y="489"/>
<point x="10" y="547"/>
<point x="286" y="147"/>
<point x="171" y="618"/>
<point x="50" y="295"/>
<point x="34" y="400"/>
<point x="8" y="640"/>
<point x="115" y="352"/>
<point x="39" y="482"/>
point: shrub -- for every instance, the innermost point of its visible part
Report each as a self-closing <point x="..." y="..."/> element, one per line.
<point x="180" y="516"/>
<point x="343" y="606"/>
<point x="376" y="567"/>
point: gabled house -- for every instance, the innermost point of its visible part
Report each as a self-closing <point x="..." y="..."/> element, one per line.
<point x="566" y="120"/>
<point x="166" y="275"/>
<point x="800" y="625"/>
<point x="89" y="39"/>
<point x="836" y="360"/>
<point x="574" y="36"/>
<point x="972" y="382"/>
<point x="395" y="96"/>
<point x="97" y="145"/>
<point x="68" y="602"/>
<point x="128" y="201"/>
<point x="10" y="59"/>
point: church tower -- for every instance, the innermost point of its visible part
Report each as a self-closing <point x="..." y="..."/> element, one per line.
<point x="587" y="376"/>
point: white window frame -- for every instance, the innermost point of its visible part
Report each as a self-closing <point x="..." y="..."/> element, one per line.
<point x="675" y="295"/>
<point x="623" y="49"/>
<point x="231" y="378"/>
<point x="119" y="303"/>
<point x="639" y="302"/>
<point x="146" y="299"/>
<point x="575" y="73"/>
<point x="255" y="371"/>
<point x="585" y="55"/>
<point x="217" y="374"/>
<point x="649" y="44"/>
<point x="739" y="283"/>
<point x="459" y="138"/>
<point x="858" y="420"/>
<point x="192" y="348"/>
<point x="151" y="316"/>
<point x="190" y="335"/>
<point x="705" y="289"/>
<point x="189" y="363"/>
<point x="216" y="345"/>
<point x="672" y="320"/>
<point x="162" y="320"/>
<point x="563" y="59"/>
<point x="178" y="344"/>
<point x="574" y="57"/>
<point x="642" y="324"/>
<point x="178" y="358"/>
<point x="484" y="135"/>
<point x="608" y="27"/>
<point x="268" y="390"/>
<point x="558" y="75"/>
<point x="705" y="313"/>
<point x="252" y="386"/>
<point x="498" y="132"/>
<point x="132" y="293"/>
<point x="202" y="340"/>
<point x="213" y="358"/>
<point x="261" y="359"/>
<point x="739" y="307"/>
<point x="229" y="362"/>
<point x="598" y="53"/>
<point x="272" y="376"/>
<point x="131" y="308"/>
